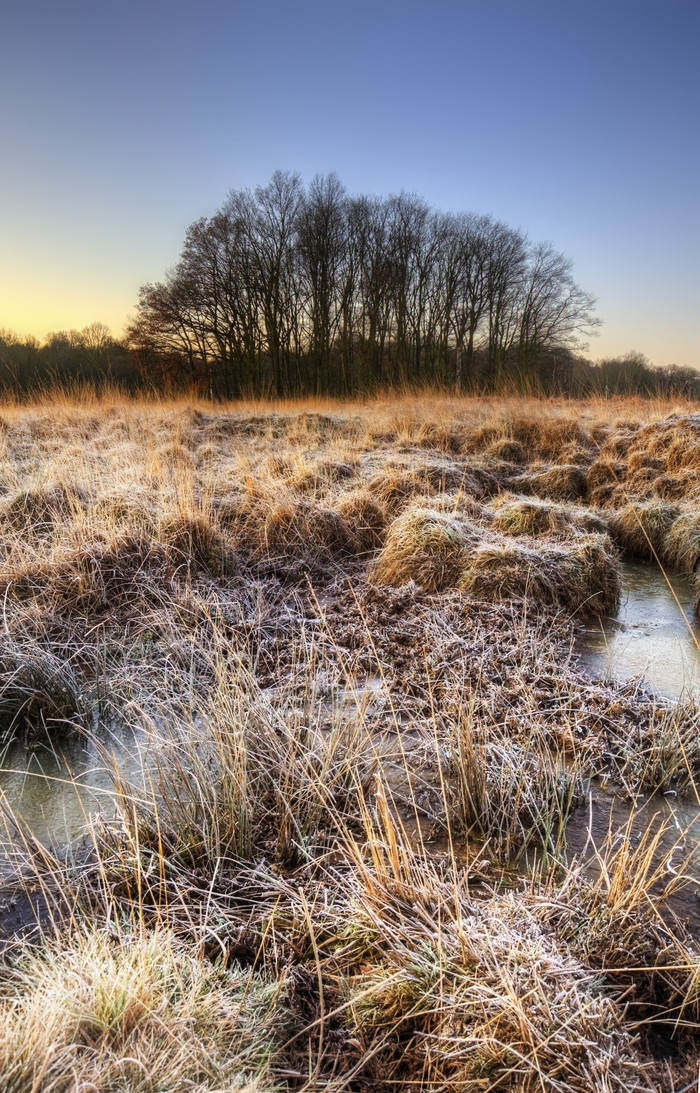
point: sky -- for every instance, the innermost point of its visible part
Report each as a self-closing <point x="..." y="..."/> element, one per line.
<point x="577" y="122"/>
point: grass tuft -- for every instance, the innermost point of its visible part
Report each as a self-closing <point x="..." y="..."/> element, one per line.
<point x="425" y="546"/>
<point x="640" y="529"/>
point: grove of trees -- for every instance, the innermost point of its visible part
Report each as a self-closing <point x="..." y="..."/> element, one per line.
<point x="287" y="290"/>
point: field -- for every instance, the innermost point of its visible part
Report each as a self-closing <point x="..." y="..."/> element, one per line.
<point x="343" y="636"/>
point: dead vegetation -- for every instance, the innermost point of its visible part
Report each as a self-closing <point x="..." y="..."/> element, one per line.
<point x="426" y="546"/>
<point x="641" y="528"/>
<point x="582" y="577"/>
<point x="341" y="637"/>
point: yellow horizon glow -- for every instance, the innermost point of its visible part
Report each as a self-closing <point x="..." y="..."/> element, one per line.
<point x="40" y="314"/>
<point x="44" y="310"/>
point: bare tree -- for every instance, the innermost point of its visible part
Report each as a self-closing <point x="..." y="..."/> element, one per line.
<point x="291" y="290"/>
<point x="554" y="311"/>
<point x="322" y="244"/>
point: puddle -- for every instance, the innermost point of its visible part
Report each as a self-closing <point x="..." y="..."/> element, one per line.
<point x="648" y="635"/>
<point x="56" y="792"/>
<point x="602" y="814"/>
<point x="651" y="636"/>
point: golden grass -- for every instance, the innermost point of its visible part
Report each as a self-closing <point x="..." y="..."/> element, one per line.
<point x="681" y="547"/>
<point x="529" y="516"/>
<point x="135" y="1011"/>
<point x="641" y="528"/>
<point x="560" y="483"/>
<point x="426" y="546"/>
<point x="341" y="635"/>
<point x="581" y="577"/>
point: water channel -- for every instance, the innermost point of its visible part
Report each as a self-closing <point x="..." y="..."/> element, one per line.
<point x="653" y="636"/>
<point x="653" y="639"/>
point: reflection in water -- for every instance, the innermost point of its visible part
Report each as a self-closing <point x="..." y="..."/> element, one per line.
<point x="649" y="635"/>
<point x="56" y="792"/>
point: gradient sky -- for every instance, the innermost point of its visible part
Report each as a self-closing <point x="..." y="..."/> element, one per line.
<point x="577" y="122"/>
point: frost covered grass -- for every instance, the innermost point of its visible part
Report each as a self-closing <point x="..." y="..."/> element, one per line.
<point x="341" y="635"/>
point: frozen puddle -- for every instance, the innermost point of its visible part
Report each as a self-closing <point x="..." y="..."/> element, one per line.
<point x="652" y="635"/>
<point x="54" y="793"/>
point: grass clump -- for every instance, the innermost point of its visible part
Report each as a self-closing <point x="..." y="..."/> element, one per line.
<point x="249" y="772"/>
<point x="603" y="481"/>
<point x="135" y="1013"/>
<point x="198" y="544"/>
<point x="510" y="794"/>
<point x="40" y="697"/>
<point x="99" y="578"/>
<point x="40" y="509"/>
<point x="615" y="922"/>
<point x="640" y="528"/>
<point x="297" y="529"/>
<point x="509" y="451"/>
<point x="675" y="487"/>
<point x="394" y="488"/>
<point x="440" y="437"/>
<point x="681" y="547"/>
<point x="463" y="992"/>
<point x="581" y="577"/>
<point x="559" y="483"/>
<point x="545" y="437"/>
<point x="522" y="516"/>
<point x="507" y="571"/>
<point x="666" y="755"/>
<point x="425" y="546"/>
<point x="365" y="518"/>
<point x="268" y="526"/>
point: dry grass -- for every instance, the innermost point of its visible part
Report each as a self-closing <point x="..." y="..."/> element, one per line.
<point x="641" y="528"/>
<point x="619" y="926"/>
<point x="40" y="696"/>
<point x="681" y="547"/>
<point x="426" y="546"/>
<point x="514" y="795"/>
<point x="559" y="483"/>
<point x="463" y="993"/>
<point x="341" y="637"/>
<point x="135" y="1011"/>
<point x="582" y="577"/>
<point x="526" y="516"/>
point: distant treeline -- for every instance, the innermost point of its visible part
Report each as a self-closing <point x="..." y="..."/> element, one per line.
<point x="66" y="359"/>
<point x="70" y="360"/>
<point x="287" y="291"/>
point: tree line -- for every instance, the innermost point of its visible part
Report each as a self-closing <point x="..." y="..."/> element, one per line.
<point x="64" y="359"/>
<point x="287" y="290"/>
<point x="94" y="358"/>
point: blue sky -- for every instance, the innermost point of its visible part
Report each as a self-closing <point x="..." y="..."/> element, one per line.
<point x="576" y="122"/>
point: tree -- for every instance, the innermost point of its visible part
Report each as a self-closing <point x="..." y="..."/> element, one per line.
<point x="554" y="311"/>
<point x="322" y="250"/>
<point x="294" y="290"/>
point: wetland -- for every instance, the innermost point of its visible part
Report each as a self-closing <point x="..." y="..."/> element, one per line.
<point x="374" y="724"/>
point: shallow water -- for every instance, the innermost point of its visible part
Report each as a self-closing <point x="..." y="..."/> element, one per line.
<point x="650" y="636"/>
<point x="604" y="818"/>
<point x="653" y="635"/>
<point x="56" y="792"/>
